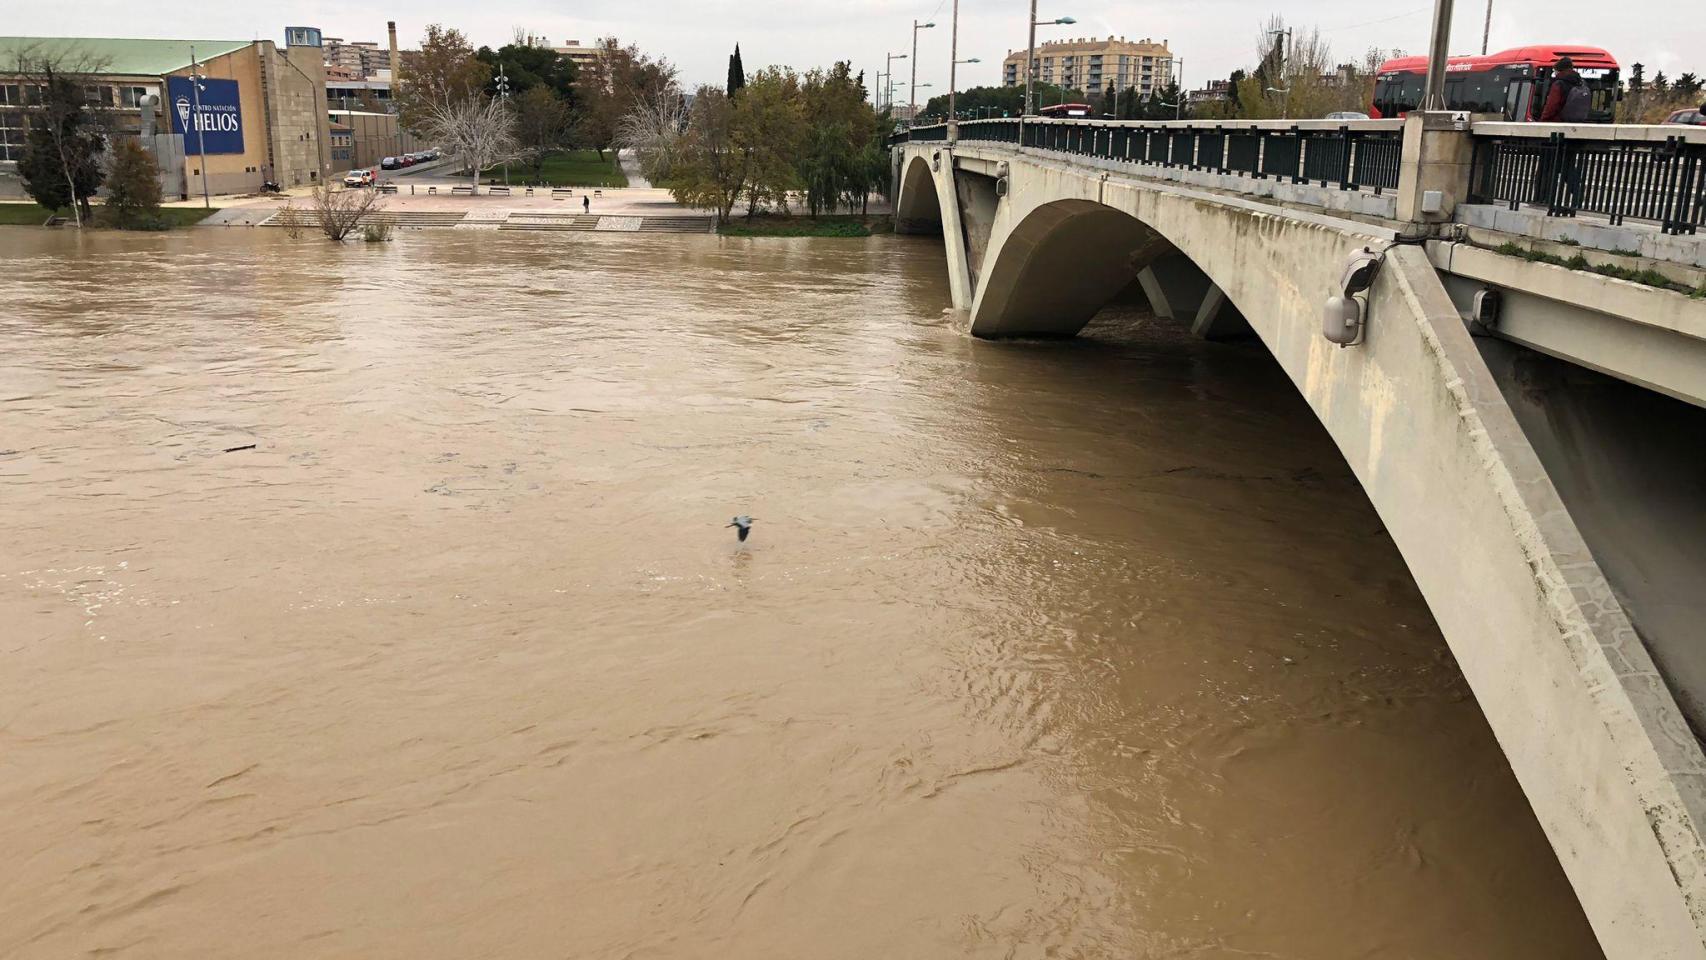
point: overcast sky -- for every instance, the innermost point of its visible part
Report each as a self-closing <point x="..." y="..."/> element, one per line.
<point x="1212" y="36"/>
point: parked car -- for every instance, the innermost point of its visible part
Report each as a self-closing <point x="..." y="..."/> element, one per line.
<point x="1347" y="115"/>
<point x="1692" y="117"/>
<point x="390" y="163"/>
<point x="358" y="178"/>
<point x="407" y="159"/>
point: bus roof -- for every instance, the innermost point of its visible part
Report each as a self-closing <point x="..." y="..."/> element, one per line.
<point x="1539" y="55"/>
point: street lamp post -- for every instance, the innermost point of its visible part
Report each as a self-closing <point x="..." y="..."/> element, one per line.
<point x="888" y="92"/>
<point x="1031" y="53"/>
<point x="200" y="137"/>
<point x="502" y="81"/>
<point x="912" y="100"/>
<point x="953" y="52"/>
<point x="1433" y="93"/>
<point x="1179" y="88"/>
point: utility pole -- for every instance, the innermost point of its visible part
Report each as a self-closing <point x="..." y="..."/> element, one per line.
<point x="1487" y="28"/>
<point x="200" y="137"/>
<point x="1179" y="90"/>
<point x="912" y="99"/>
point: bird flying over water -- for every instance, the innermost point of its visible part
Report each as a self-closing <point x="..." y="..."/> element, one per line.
<point x="742" y="525"/>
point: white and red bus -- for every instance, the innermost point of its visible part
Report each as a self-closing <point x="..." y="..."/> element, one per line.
<point x="1064" y="110"/>
<point x="1512" y="83"/>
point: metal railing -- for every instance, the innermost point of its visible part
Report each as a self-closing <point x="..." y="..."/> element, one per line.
<point x="1639" y="172"/>
<point x="1347" y="155"/>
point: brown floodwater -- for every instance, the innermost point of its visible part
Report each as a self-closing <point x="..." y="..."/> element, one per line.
<point x="1086" y="649"/>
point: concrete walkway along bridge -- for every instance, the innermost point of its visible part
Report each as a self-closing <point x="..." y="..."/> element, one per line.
<point x="1503" y="328"/>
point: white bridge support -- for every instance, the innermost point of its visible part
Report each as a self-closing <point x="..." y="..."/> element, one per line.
<point x="1613" y="772"/>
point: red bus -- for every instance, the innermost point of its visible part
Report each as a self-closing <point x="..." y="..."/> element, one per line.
<point x="1065" y="110"/>
<point x="1512" y="82"/>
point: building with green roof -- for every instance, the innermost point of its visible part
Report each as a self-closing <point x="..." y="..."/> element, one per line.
<point x="256" y="115"/>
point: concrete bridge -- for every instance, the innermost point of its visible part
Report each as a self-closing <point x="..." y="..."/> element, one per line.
<point x="1532" y="432"/>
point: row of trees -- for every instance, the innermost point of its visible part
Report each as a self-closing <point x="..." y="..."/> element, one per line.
<point x="449" y="94"/>
<point x="1127" y="104"/>
<point x="766" y="141"/>
<point x="1651" y="100"/>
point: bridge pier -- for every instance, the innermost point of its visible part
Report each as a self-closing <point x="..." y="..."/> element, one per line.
<point x="1178" y="290"/>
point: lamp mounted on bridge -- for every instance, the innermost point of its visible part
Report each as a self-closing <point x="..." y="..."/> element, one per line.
<point x="1342" y="318"/>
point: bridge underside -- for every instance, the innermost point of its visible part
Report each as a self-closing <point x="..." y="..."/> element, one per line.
<point x="1595" y="737"/>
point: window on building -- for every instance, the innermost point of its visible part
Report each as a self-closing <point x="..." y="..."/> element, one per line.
<point x="12" y="132"/>
<point x="11" y="94"/>
<point x="131" y="96"/>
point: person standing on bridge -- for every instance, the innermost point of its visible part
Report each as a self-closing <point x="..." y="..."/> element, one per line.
<point x="1566" y="102"/>
<point x="1567" y="98"/>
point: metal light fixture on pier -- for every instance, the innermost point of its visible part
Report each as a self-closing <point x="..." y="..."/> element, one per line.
<point x="888" y="92"/>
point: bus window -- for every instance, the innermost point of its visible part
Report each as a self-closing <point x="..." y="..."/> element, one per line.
<point x="1518" y="99"/>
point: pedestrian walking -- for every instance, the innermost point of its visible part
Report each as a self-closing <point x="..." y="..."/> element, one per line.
<point x="586" y="203"/>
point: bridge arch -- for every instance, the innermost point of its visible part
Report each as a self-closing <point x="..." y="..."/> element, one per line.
<point x="918" y="207"/>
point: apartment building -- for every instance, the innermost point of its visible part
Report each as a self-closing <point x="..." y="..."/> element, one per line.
<point x="1089" y="64"/>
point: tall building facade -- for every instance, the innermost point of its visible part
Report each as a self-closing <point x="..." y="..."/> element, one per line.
<point x="1090" y="65"/>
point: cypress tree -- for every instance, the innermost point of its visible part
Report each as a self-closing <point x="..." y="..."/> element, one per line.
<point x="737" y="73"/>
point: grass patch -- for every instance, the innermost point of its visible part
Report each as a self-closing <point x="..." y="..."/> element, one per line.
<point x="568" y="168"/>
<point x="827" y="226"/>
<point x="1648" y="277"/>
<point x="34" y="215"/>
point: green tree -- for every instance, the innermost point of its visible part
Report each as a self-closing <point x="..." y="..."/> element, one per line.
<point x="61" y="166"/>
<point x="832" y="163"/>
<point x="1686" y="85"/>
<point x="542" y="124"/>
<point x="737" y="72"/>
<point x="1661" y="85"/>
<point x="770" y="125"/>
<point x="528" y="66"/>
<point x="133" y="187"/>
<point x="711" y="163"/>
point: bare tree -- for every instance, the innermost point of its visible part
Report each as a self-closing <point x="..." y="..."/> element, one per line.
<point x="339" y="213"/>
<point x="655" y="129"/>
<point x="475" y="131"/>
<point x="542" y="124"/>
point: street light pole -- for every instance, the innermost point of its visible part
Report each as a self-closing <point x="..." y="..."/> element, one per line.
<point x="1031" y="53"/>
<point x="912" y="99"/>
<point x="1433" y="94"/>
<point x="888" y="91"/>
<point x="1487" y="28"/>
<point x="1179" y="90"/>
<point x="953" y="61"/>
<point x="200" y="137"/>
<point x="502" y="80"/>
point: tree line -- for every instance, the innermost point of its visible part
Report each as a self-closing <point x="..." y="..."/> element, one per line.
<point x="765" y="142"/>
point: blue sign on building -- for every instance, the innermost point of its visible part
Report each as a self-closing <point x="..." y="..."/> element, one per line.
<point x="219" y="125"/>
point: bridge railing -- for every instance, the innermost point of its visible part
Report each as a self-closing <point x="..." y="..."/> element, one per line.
<point x="1655" y="173"/>
<point x="1349" y="155"/>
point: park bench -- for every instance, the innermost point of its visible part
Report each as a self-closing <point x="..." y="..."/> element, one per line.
<point x="431" y="191"/>
<point x="598" y="193"/>
<point x="497" y="191"/>
<point x="464" y="191"/>
<point x="558" y="193"/>
<point x="387" y="188"/>
<point x="529" y="192"/>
